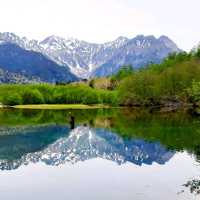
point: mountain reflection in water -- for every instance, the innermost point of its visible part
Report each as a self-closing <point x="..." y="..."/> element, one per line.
<point x="135" y="146"/>
<point x="55" y="145"/>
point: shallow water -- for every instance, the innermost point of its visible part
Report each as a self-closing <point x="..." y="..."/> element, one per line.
<point x="99" y="154"/>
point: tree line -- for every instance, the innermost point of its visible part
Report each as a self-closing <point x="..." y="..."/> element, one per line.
<point x="176" y="79"/>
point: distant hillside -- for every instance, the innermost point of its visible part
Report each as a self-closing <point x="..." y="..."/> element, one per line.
<point x="9" y="77"/>
<point x="17" y="62"/>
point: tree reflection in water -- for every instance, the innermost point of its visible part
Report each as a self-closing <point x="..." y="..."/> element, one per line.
<point x="135" y="135"/>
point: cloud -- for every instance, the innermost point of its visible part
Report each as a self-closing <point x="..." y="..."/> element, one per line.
<point x="102" y="20"/>
<point x="89" y="19"/>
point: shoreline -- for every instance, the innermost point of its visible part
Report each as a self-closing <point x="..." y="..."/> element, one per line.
<point x="58" y="106"/>
<point x="161" y="108"/>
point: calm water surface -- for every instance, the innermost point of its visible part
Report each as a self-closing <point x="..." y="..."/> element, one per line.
<point x="99" y="154"/>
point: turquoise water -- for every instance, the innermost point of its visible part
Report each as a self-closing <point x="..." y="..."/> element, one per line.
<point x="99" y="154"/>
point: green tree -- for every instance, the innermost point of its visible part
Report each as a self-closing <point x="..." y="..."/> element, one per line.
<point x="32" y="97"/>
<point x="12" y="99"/>
<point x="123" y="72"/>
<point x="194" y="91"/>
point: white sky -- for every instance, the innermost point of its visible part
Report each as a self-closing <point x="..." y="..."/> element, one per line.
<point x="103" y="20"/>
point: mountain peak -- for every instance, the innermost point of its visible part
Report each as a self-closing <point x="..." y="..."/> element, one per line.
<point x="168" y="42"/>
<point x="51" y="39"/>
<point x="84" y="58"/>
<point x="8" y="34"/>
<point x="55" y="38"/>
<point x="164" y="37"/>
<point x="57" y="43"/>
<point x="122" y="38"/>
<point x="8" y="37"/>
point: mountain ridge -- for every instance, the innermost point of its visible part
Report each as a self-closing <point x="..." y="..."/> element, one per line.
<point x="85" y="59"/>
<point x="31" y="66"/>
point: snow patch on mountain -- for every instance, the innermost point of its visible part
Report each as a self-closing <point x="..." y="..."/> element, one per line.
<point x="86" y="59"/>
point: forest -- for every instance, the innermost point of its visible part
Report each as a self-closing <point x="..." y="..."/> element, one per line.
<point x="174" y="81"/>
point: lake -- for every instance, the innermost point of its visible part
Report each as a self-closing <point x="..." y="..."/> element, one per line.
<point x="100" y="154"/>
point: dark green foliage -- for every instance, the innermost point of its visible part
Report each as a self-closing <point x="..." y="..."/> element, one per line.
<point x="75" y="94"/>
<point x="110" y="98"/>
<point x="91" y="98"/>
<point x="12" y="99"/>
<point x="47" y="92"/>
<point x="124" y="71"/>
<point x="160" y="82"/>
<point x="197" y="54"/>
<point x="32" y="97"/>
<point x="91" y="83"/>
<point x="194" y="92"/>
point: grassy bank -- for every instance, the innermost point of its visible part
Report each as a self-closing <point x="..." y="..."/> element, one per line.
<point x="60" y="106"/>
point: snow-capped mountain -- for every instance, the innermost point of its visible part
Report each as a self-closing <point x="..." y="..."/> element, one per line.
<point x="139" y="52"/>
<point x="23" y="61"/>
<point x="89" y="59"/>
<point x="23" y="42"/>
<point x="81" y="57"/>
<point x="81" y="144"/>
<point x="31" y="66"/>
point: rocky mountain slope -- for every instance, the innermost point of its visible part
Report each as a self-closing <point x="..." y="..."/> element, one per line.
<point x="86" y="59"/>
<point x="21" y="66"/>
<point x="9" y="77"/>
<point x="139" y="52"/>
